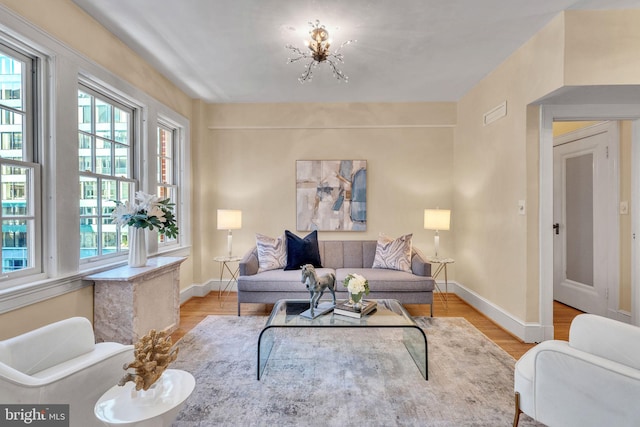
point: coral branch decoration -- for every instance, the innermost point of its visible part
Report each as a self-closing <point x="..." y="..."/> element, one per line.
<point x="153" y="353"/>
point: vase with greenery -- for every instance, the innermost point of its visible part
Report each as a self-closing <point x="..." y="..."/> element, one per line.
<point x="146" y="212"/>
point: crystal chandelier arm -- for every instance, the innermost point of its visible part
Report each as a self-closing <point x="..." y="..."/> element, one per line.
<point x="337" y="51"/>
<point x="337" y="72"/>
<point x="307" y="73"/>
<point x="301" y="54"/>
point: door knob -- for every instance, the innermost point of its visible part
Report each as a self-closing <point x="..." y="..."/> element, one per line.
<point x="556" y="227"/>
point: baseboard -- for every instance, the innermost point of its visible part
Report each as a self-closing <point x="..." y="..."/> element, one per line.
<point x="201" y="290"/>
<point x="527" y="332"/>
<point x="620" y="315"/>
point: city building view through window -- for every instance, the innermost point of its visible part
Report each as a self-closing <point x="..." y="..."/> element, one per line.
<point x="17" y="173"/>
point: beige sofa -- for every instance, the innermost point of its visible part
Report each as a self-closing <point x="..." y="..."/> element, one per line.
<point x="340" y="258"/>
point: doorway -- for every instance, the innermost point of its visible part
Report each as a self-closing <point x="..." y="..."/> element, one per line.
<point x="585" y="196"/>
<point x="557" y="111"/>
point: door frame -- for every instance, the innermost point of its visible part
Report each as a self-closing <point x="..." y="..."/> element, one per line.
<point x="549" y="114"/>
<point x="609" y="177"/>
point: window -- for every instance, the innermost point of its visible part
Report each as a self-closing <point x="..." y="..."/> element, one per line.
<point x="166" y="166"/>
<point x="105" y="165"/>
<point x="19" y="174"/>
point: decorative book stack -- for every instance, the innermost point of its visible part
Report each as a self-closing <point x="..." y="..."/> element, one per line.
<point x="346" y="309"/>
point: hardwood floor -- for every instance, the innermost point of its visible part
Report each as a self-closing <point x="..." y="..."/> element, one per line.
<point x="196" y="309"/>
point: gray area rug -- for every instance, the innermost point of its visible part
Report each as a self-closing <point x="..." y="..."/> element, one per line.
<point x="344" y="377"/>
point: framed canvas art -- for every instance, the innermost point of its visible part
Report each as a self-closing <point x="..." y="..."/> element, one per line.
<point x="331" y="195"/>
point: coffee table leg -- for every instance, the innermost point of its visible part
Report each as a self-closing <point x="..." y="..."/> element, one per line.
<point x="416" y="343"/>
<point x="265" y="344"/>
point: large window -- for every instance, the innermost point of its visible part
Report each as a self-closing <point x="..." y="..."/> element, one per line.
<point x="19" y="174"/>
<point x="167" y="176"/>
<point x="105" y="155"/>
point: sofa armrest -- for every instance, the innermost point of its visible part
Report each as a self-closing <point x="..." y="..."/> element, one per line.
<point x="419" y="266"/>
<point x="249" y="263"/>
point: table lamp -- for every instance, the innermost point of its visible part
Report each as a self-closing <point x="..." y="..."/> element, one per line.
<point x="436" y="219"/>
<point x="229" y="219"/>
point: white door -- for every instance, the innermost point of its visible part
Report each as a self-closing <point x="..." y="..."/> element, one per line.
<point x="582" y="192"/>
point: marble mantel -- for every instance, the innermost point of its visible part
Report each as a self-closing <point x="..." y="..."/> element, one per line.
<point x="128" y="302"/>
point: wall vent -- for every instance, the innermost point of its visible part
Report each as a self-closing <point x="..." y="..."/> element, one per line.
<point x="495" y="113"/>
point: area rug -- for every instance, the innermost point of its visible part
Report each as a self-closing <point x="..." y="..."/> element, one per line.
<point x="345" y="377"/>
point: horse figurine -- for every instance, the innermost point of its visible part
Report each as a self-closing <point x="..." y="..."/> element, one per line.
<point x="317" y="285"/>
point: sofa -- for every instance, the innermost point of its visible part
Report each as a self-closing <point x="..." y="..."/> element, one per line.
<point x="591" y="380"/>
<point x="340" y="258"/>
<point x="61" y="363"/>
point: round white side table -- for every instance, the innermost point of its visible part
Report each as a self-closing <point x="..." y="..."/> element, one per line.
<point x="156" y="407"/>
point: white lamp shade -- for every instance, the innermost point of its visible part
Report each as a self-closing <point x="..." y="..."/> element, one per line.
<point x="229" y="219"/>
<point x="437" y="219"/>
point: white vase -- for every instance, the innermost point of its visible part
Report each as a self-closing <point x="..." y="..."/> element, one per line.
<point x="137" y="247"/>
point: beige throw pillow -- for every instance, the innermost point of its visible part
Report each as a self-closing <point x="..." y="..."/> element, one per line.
<point x="393" y="254"/>
<point x="272" y="253"/>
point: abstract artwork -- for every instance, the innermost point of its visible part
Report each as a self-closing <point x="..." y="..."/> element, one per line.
<point x="331" y="195"/>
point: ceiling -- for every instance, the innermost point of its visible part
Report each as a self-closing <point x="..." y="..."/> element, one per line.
<point x="406" y="50"/>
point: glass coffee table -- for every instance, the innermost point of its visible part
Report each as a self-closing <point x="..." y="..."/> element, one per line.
<point x="389" y="314"/>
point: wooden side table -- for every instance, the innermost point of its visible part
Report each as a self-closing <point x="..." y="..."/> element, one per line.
<point x="225" y="264"/>
<point x="441" y="267"/>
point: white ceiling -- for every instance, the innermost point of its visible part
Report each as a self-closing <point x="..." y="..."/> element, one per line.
<point x="406" y="50"/>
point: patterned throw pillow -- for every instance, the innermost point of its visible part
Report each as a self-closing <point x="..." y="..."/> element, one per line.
<point x="393" y="254"/>
<point x="272" y="253"/>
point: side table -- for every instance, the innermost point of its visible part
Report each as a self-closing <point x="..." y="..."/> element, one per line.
<point x="225" y="264"/>
<point x="156" y="407"/>
<point x="441" y="267"/>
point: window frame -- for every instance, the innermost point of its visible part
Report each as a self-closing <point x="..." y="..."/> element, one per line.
<point x="107" y="97"/>
<point x="31" y="139"/>
<point x="173" y="186"/>
<point x="61" y="68"/>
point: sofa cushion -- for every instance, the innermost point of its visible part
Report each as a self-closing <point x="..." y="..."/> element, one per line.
<point x="277" y="281"/>
<point x="301" y="251"/>
<point x="394" y="254"/>
<point x="272" y="253"/>
<point x="386" y="280"/>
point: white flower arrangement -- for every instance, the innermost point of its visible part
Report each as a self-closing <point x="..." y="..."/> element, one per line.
<point x="356" y="285"/>
<point x="148" y="211"/>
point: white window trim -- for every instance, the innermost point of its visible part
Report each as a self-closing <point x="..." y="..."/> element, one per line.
<point x="62" y="68"/>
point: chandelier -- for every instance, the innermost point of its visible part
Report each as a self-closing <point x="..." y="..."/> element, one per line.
<point x="319" y="53"/>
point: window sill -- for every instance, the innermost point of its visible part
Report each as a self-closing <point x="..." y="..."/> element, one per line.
<point x="41" y="290"/>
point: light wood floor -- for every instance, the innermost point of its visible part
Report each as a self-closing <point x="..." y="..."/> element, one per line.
<point x="196" y="309"/>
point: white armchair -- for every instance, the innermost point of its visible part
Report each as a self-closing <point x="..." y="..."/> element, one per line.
<point x="61" y="363"/>
<point x="591" y="380"/>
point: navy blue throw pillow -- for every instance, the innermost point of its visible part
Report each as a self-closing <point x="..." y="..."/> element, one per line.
<point x="301" y="251"/>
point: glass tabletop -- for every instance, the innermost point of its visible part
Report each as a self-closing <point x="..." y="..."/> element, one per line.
<point x="388" y="313"/>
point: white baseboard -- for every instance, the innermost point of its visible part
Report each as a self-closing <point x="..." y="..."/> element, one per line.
<point x="526" y="331"/>
<point x="201" y="290"/>
<point x="620" y="315"/>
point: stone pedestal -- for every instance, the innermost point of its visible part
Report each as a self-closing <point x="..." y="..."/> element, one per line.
<point x="129" y="302"/>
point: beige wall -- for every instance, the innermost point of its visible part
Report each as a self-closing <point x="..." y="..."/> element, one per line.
<point x="498" y="250"/>
<point x="249" y="158"/>
<point x="64" y="21"/>
<point x="78" y="303"/>
<point x="495" y="167"/>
